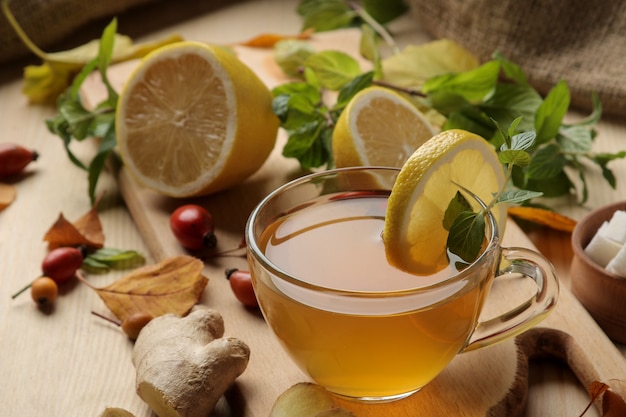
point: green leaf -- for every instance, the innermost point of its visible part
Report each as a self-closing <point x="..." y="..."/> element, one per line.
<point x="466" y="236"/>
<point x="514" y="157"/>
<point x="417" y="63"/>
<point x="457" y="205"/>
<point x="575" y="138"/>
<point x="324" y="15"/>
<point x="384" y="11"/>
<point x="511" y="101"/>
<point x="107" y="144"/>
<point x="105" y="259"/>
<point x="469" y="120"/>
<point x="290" y="55"/>
<point x="518" y="196"/>
<point x="308" y="145"/>
<point x="596" y="112"/>
<point x="602" y="161"/>
<point x="472" y="85"/>
<point x="547" y="162"/>
<point x="523" y="141"/>
<point x="350" y="89"/>
<point x="368" y="48"/>
<point x="334" y="69"/>
<point x="551" y="112"/>
<point x="511" y="70"/>
<point x="556" y="186"/>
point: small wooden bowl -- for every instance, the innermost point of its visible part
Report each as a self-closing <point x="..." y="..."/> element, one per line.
<point x="602" y="293"/>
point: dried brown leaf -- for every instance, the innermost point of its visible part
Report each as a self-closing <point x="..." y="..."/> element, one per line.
<point x="7" y="195"/>
<point x="64" y="233"/>
<point x="544" y="217"/>
<point x="268" y="40"/>
<point x="86" y="231"/>
<point x="172" y="286"/>
<point x="90" y="227"/>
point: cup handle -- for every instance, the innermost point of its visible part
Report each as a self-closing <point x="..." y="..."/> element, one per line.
<point x="531" y="265"/>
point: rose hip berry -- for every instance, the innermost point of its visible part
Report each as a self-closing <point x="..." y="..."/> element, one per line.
<point x="193" y="227"/>
<point x="14" y="158"/>
<point x="241" y="285"/>
<point x="61" y="264"/>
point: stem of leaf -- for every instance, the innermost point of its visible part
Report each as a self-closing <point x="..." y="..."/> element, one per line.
<point x="507" y="178"/>
<point x="376" y="26"/>
<point x="22" y="35"/>
<point x="409" y="91"/>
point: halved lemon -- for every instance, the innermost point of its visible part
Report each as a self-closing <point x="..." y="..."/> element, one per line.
<point x="378" y="127"/>
<point x="414" y="236"/>
<point x="192" y="119"/>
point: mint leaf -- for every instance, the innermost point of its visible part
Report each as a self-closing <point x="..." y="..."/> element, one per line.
<point x="511" y="70"/>
<point x="350" y="89"/>
<point x="457" y="205"/>
<point x="471" y="85"/>
<point x="518" y="196"/>
<point x="514" y="157"/>
<point x="105" y="259"/>
<point x="547" y="162"/>
<point x="602" y="161"/>
<point x="324" y="15"/>
<point x="556" y="186"/>
<point x="384" y="11"/>
<point x="334" y="69"/>
<point x="575" y="138"/>
<point x="551" y="112"/>
<point x="523" y="141"/>
<point x="467" y="235"/>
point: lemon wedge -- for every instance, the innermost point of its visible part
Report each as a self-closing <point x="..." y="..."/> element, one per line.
<point x="378" y="127"/>
<point x="414" y="236"/>
<point x="192" y="119"/>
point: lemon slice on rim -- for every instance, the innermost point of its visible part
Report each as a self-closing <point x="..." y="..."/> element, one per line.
<point x="192" y="119"/>
<point x="378" y="127"/>
<point x="414" y="236"/>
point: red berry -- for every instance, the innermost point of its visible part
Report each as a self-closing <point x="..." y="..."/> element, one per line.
<point x="241" y="284"/>
<point x="14" y="158"/>
<point x="61" y="264"/>
<point x="193" y="227"/>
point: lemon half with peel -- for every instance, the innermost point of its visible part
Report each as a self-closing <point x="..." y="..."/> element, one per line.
<point x="378" y="127"/>
<point x="414" y="236"/>
<point x="193" y="119"/>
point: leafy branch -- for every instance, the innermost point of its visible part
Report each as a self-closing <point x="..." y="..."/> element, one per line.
<point x="454" y="91"/>
<point x="74" y="121"/>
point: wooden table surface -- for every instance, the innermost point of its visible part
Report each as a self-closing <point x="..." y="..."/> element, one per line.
<point x="67" y="363"/>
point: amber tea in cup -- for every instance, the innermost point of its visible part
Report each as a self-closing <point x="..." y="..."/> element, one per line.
<point x="355" y="324"/>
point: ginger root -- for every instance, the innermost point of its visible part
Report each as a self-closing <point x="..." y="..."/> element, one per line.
<point x="184" y="365"/>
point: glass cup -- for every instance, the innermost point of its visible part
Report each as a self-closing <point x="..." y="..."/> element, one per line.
<point x="357" y="326"/>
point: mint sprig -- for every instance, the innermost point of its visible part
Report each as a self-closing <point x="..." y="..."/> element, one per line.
<point x="466" y="228"/>
<point x="75" y="122"/>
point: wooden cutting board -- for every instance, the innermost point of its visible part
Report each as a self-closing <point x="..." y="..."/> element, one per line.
<point x="489" y="382"/>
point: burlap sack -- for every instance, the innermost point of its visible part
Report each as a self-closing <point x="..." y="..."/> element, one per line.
<point x="49" y="21"/>
<point x="581" y="41"/>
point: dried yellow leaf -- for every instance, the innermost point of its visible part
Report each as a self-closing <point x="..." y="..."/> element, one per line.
<point x="544" y="217"/>
<point x="7" y="195"/>
<point x="172" y="286"/>
<point x="268" y="40"/>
